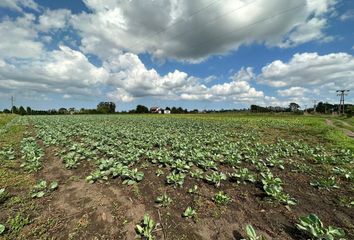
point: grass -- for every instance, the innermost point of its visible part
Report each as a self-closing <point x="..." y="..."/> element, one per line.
<point x="5" y="118"/>
<point x="19" y="207"/>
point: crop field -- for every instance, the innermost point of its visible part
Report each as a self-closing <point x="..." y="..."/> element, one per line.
<point x="197" y="176"/>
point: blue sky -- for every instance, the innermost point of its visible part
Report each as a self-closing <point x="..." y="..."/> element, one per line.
<point x="200" y="54"/>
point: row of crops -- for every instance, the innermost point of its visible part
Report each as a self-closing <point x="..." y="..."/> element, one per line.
<point x="214" y="152"/>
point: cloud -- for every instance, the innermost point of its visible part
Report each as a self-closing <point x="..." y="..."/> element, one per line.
<point x="19" y="38"/>
<point x="293" y="92"/>
<point x="310" y="69"/>
<point x="19" y="5"/>
<point x="194" y="30"/>
<point x="133" y="80"/>
<point x="63" y="71"/>
<point x="347" y="16"/>
<point x="54" y="19"/>
<point x="318" y="75"/>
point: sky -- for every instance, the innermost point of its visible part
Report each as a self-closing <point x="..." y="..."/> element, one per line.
<point x="200" y="54"/>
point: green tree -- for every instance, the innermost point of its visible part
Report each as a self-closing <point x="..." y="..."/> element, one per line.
<point x="294" y="107"/>
<point x="106" y="107"/>
<point x="141" y="109"/>
<point x="62" y="111"/>
<point x="29" y="110"/>
<point x="22" y="111"/>
<point x="14" y="110"/>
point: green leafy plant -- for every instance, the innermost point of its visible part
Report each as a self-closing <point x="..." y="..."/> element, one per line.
<point x="252" y="235"/>
<point x="197" y="173"/>
<point x="31" y="155"/>
<point x="18" y="222"/>
<point x="189" y="213"/>
<point x="164" y="200"/>
<point x="3" y="195"/>
<point x="7" y="153"/>
<point x="215" y="178"/>
<point x="41" y="188"/>
<point x="346" y="201"/>
<point x="2" y="229"/>
<point x="272" y="187"/>
<point x="132" y="176"/>
<point x="221" y="198"/>
<point x="313" y="226"/>
<point x="159" y="172"/>
<point x="176" y="178"/>
<point x="193" y="189"/>
<point x="146" y="227"/>
<point x="243" y="175"/>
<point x="326" y="183"/>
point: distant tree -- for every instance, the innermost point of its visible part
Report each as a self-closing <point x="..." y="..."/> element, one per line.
<point x="29" y="111"/>
<point x="14" y="110"/>
<point x="22" y="111"/>
<point x="349" y="111"/>
<point x="106" y="107"/>
<point x="7" y="110"/>
<point x="168" y="108"/>
<point x="141" y="109"/>
<point x="294" y="107"/>
<point x="173" y="110"/>
<point x="62" y="111"/>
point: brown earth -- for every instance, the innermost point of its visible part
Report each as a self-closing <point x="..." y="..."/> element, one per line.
<point x="110" y="210"/>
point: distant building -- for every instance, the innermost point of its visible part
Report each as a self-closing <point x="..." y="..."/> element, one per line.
<point x="160" y="110"/>
<point x="154" y="109"/>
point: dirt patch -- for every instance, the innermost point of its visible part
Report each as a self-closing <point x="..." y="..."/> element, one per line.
<point x="83" y="210"/>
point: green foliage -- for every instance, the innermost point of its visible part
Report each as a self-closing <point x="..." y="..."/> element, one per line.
<point x="193" y="189"/>
<point x="216" y="178"/>
<point x="3" y="195"/>
<point x="313" y="226"/>
<point x="7" y="153"/>
<point x="221" y="198"/>
<point x="106" y="107"/>
<point x="2" y="229"/>
<point x="252" y="235"/>
<point x="132" y="176"/>
<point x="272" y="187"/>
<point x="325" y="182"/>
<point x="197" y="173"/>
<point x="41" y="188"/>
<point x="146" y="227"/>
<point x="18" y="222"/>
<point x="164" y="200"/>
<point x="159" y="172"/>
<point x="243" y="175"/>
<point x="31" y="154"/>
<point x="176" y="178"/>
<point x="189" y="213"/>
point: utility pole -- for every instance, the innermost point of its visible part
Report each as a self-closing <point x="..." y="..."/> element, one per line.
<point x="12" y="104"/>
<point x="305" y="109"/>
<point x="341" y="93"/>
<point x="314" y="105"/>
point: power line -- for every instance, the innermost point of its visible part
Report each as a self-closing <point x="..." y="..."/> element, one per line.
<point x="314" y="105"/>
<point x="12" y="104"/>
<point x="341" y="93"/>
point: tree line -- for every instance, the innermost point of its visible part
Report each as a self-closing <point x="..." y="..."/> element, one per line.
<point x="110" y="108"/>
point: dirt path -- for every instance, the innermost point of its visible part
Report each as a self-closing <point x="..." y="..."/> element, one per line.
<point x="85" y="211"/>
<point x="346" y="131"/>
